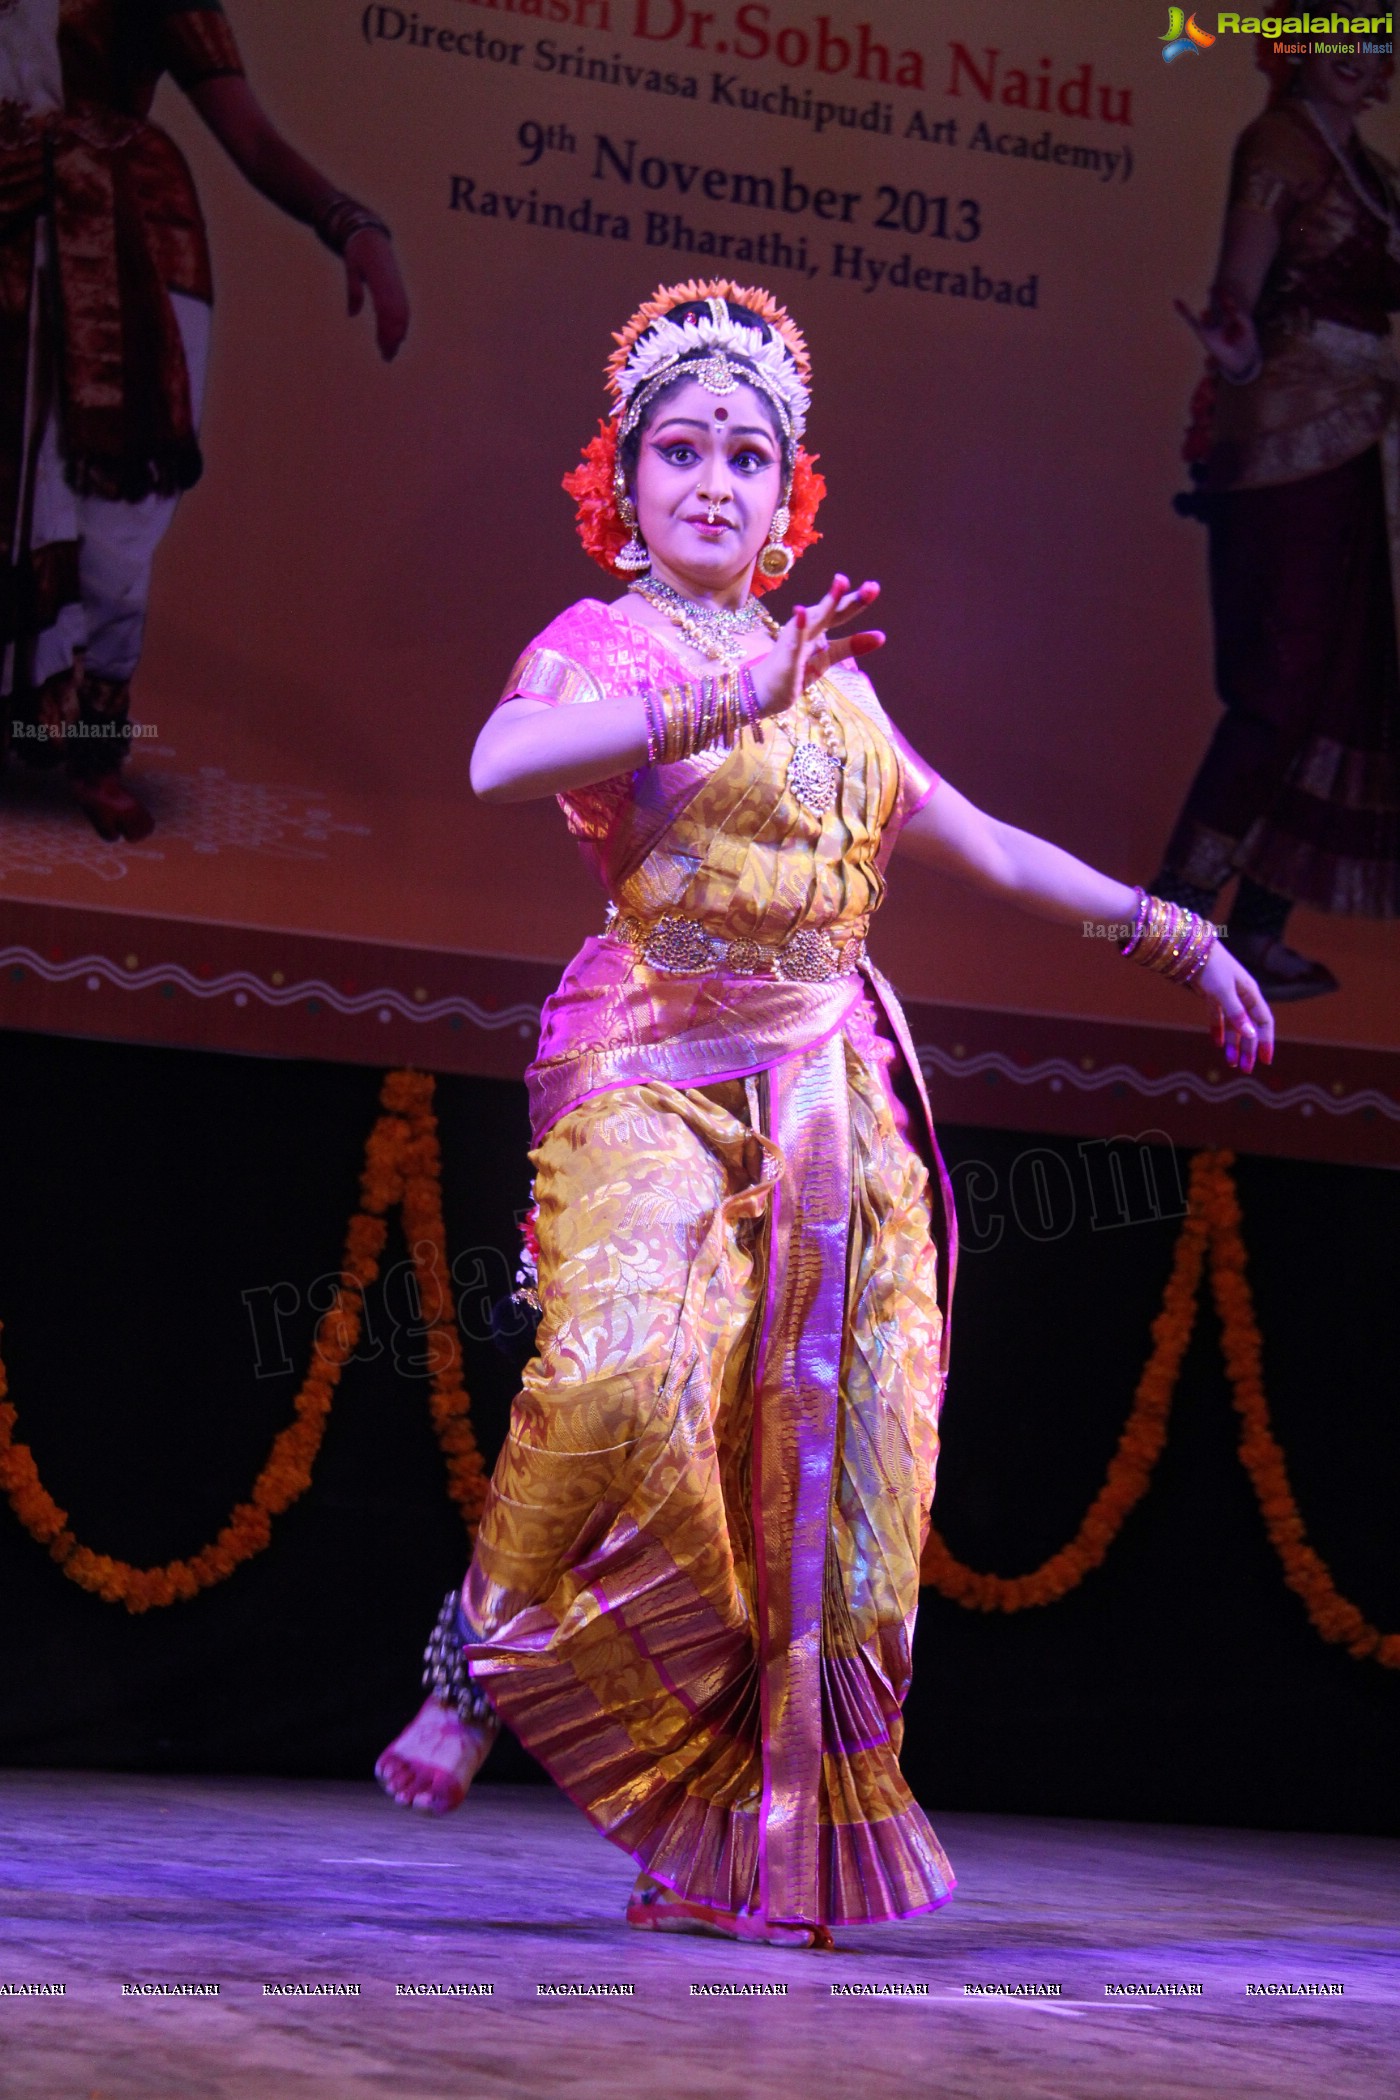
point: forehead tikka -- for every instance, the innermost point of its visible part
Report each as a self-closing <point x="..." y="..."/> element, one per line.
<point x="716" y="374"/>
<point x="713" y="371"/>
<point x="721" y="352"/>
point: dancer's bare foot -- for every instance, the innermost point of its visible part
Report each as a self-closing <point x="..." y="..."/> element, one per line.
<point x="658" y="1909"/>
<point x="433" y="1762"/>
<point x="113" y="810"/>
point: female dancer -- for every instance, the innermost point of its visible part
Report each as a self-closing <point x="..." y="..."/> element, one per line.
<point x="694" y="1584"/>
<point x="1297" y="460"/>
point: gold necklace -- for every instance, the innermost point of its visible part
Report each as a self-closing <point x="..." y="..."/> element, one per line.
<point x="814" y="770"/>
<point x="720" y="632"/>
<point x="1385" y="211"/>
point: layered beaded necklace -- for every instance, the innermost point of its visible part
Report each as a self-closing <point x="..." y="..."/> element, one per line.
<point x="721" y="633"/>
<point x="1384" y="210"/>
<point x="717" y="631"/>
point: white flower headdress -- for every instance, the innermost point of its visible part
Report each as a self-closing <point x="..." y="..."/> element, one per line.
<point x="653" y="350"/>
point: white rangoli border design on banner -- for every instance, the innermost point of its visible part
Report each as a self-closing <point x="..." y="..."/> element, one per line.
<point x="387" y="1003"/>
<point x="206" y="811"/>
<point x="1059" y="1072"/>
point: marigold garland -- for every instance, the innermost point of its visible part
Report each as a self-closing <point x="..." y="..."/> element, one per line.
<point x="1304" y="1570"/>
<point x="1130" y="1469"/>
<point x="1212" y="1223"/>
<point x="1200" y="423"/>
<point x="402" y="1168"/>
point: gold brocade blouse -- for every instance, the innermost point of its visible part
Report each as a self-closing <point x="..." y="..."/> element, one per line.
<point x="721" y="838"/>
<point x="721" y="841"/>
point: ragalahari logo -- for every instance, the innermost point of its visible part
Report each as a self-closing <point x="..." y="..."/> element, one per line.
<point x="1184" y="33"/>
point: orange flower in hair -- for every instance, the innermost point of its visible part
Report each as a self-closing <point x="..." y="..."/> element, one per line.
<point x="694" y="292"/>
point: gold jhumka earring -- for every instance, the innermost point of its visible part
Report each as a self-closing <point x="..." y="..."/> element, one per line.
<point x="776" y="559"/>
<point x="633" y="557"/>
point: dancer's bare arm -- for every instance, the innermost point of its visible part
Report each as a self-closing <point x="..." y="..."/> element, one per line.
<point x="953" y="835"/>
<point x="527" y="748"/>
<point x="1226" y="329"/>
<point x="272" y="164"/>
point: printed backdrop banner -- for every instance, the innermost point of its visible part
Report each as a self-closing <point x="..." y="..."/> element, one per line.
<point x="979" y="213"/>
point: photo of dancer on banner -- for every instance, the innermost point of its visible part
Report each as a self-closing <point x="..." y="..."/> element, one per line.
<point x="1295" y="452"/>
<point x="105" y="298"/>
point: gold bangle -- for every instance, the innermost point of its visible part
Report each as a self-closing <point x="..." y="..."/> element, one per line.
<point x="696" y="715"/>
<point x="1197" y="952"/>
<point x="724" y="710"/>
<point x="1164" y="954"/>
<point x="1174" y="941"/>
<point x="1153" y="934"/>
<point x="673" y="708"/>
<point x="704" y="730"/>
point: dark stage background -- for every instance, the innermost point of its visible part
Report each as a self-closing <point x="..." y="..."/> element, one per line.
<point x="146" y="1191"/>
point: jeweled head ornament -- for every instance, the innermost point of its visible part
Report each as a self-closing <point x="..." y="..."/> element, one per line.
<point x="650" y="357"/>
<point x="721" y="350"/>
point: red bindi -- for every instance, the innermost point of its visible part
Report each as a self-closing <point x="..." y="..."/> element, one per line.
<point x="721" y="415"/>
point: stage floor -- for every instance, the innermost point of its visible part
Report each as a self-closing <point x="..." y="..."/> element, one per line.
<point x="107" y="1883"/>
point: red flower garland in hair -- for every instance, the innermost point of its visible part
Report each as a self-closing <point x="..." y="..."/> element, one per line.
<point x="804" y="501"/>
<point x="604" y="535"/>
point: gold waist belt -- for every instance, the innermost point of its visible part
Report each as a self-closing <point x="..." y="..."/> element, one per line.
<point x="812" y="955"/>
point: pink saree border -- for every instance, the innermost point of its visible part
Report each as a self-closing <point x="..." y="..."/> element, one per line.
<point x="796" y="1401"/>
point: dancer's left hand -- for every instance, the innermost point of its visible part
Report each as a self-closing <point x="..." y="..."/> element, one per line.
<point x="1225" y="332"/>
<point x="1243" y="1022"/>
<point x="272" y="164"/>
<point x="371" y="266"/>
<point x="806" y="648"/>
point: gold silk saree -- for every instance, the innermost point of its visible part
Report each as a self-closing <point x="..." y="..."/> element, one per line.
<point x="694" y="1584"/>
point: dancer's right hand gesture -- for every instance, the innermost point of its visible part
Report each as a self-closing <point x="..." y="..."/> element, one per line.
<point x="1226" y="332"/>
<point x="808" y="645"/>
